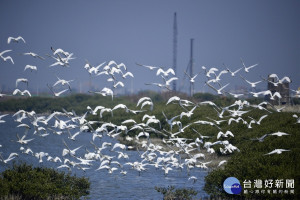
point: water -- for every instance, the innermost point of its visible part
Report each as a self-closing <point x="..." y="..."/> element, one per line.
<point x="103" y="185"/>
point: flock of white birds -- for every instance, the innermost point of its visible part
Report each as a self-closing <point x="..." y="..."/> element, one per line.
<point x="175" y="153"/>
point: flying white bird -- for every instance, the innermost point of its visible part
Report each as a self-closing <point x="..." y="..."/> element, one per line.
<point x="24" y="80"/>
<point x="147" y="66"/>
<point x="1" y="116"/>
<point x="279" y="134"/>
<point x="233" y="73"/>
<point x="7" y="57"/>
<point x="62" y="82"/>
<point x="165" y="73"/>
<point x="247" y="68"/>
<point x="277" y="151"/>
<point x="253" y="84"/>
<point x="22" y="139"/>
<point x="224" y="134"/>
<point x="22" y="93"/>
<point x="10" y="157"/>
<point x="212" y="70"/>
<point x="217" y="90"/>
<point x="34" y="55"/>
<point x="192" y="79"/>
<point x="31" y="67"/>
<point x="57" y="94"/>
<point x="69" y="151"/>
<point x="119" y="83"/>
<point x="13" y="39"/>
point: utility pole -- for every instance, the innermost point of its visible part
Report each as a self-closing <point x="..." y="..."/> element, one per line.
<point x="191" y="68"/>
<point x="175" y="50"/>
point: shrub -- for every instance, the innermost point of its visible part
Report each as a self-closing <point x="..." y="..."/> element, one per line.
<point x="170" y="193"/>
<point x="41" y="183"/>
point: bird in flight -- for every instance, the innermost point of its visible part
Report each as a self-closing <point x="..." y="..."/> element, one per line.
<point x="17" y="39"/>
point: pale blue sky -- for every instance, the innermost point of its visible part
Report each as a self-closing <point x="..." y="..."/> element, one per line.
<point x="265" y="32"/>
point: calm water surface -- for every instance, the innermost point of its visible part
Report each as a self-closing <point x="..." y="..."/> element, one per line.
<point x="103" y="185"/>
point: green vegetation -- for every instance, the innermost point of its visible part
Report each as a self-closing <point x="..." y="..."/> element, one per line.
<point x="25" y="182"/>
<point x="251" y="163"/>
<point x="170" y="193"/>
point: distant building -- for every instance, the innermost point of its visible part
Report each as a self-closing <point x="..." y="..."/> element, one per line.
<point x="282" y="88"/>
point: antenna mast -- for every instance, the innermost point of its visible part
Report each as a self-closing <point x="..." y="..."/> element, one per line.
<point x="175" y="50"/>
<point x="191" y="68"/>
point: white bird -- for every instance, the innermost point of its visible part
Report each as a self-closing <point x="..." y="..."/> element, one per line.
<point x="168" y="82"/>
<point x="23" y="80"/>
<point x="13" y="39"/>
<point x="260" y="119"/>
<point x="224" y="134"/>
<point x="22" y="93"/>
<point x="235" y="95"/>
<point x="3" y="52"/>
<point x="34" y="55"/>
<point x="277" y="151"/>
<point x="94" y="112"/>
<point x="69" y="151"/>
<point x="233" y="73"/>
<point x="10" y="157"/>
<point x="212" y="70"/>
<point x="7" y="57"/>
<point x="170" y="121"/>
<point x="222" y="162"/>
<point x="31" y="67"/>
<point x="72" y="137"/>
<point x="22" y="139"/>
<point x="104" y="92"/>
<point x="106" y="110"/>
<point x="57" y="94"/>
<point x="119" y="83"/>
<point x="118" y="145"/>
<point x="189" y="113"/>
<point x="217" y="90"/>
<point x="127" y="74"/>
<point x="143" y="99"/>
<point x="147" y="66"/>
<point x="122" y="106"/>
<point x="276" y="94"/>
<point x="1" y="116"/>
<point x="192" y="79"/>
<point x="149" y="103"/>
<point x="279" y="134"/>
<point x="62" y="82"/>
<point x="193" y="178"/>
<point x="260" y="139"/>
<point x="165" y="73"/>
<point x="247" y="68"/>
<point x="253" y="84"/>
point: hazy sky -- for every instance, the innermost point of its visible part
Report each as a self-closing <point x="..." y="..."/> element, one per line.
<point x="264" y="32"/>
